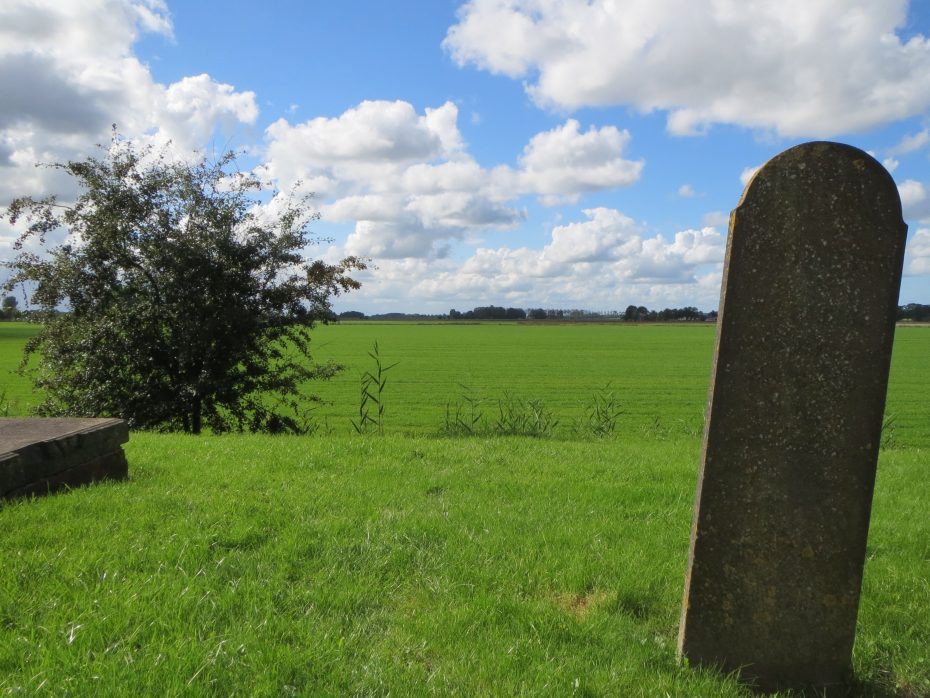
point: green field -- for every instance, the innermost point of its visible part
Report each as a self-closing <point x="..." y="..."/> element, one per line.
<point x="254" y="565"/>
<point x="16" y="394"/>
<point x="658" y="373"/>
<point x="337" y="564"/>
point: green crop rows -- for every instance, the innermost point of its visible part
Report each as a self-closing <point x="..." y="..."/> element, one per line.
<point x="657" y="374"/>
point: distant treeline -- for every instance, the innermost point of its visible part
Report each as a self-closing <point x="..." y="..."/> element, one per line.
<point x="632" y="313"/>
<point x="493" y="312"/>
<point x="914" y="312"/>
<point x="489" y="312"/>
<point x="911" y="312"/>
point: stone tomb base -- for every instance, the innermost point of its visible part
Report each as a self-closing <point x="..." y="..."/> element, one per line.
<point x="39" y="456"/>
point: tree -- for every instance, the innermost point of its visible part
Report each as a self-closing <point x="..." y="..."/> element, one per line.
<point x="914" y="312"/>
<point x="9" y="308"/>
<point x="187" y="305"/>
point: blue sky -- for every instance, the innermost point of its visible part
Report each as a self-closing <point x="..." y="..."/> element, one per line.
<point x="527" y="153"/>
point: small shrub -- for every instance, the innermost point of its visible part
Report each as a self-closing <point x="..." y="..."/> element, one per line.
<point x="657" y="428"/>
<point x="307" y="423"/>
<point x="516" y="416"/>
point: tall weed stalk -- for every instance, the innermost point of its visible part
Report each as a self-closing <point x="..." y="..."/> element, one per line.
<point x="7" y="405"/>
<point x="888" y="439"/>
<point x="371" y="399"/>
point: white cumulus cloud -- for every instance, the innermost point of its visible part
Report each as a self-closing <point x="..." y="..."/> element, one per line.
<point x="918" y="252"/>
<point x="796" y="67"/>
<point x="748" y="173"/>
<point x="911" y="142"/>
<point x="68" y="71"/>
<point x="410" y="186"/>
<point x="605" y="256"/>
<point x="370" y="144"/>
<point x="607" y="235"/>
<point x="915" y="200"/>
<point x="564" y="162"/>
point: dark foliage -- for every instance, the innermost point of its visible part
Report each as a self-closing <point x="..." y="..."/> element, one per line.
<point x="489" y="312"/>
<point x="915" y="312"/>
<point x="9" y="308"/>
<point x="185" y="308"/>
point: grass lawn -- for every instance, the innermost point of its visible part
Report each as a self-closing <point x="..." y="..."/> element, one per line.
<point x="415" y="565"/>
<point x="250" y="565"/>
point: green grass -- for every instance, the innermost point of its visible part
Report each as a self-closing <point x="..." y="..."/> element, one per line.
<point x="246" y="565"/>
<point x="16" y="393"/>
<point x="416" y="565"/>
<point x="908" y="403"/>
<point x="659" y="373"/>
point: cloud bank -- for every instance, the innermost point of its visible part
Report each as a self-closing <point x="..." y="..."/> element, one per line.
<point x="409" y="185"/>
<point x="605" y="261"/>
<point x="67" y="72"/>
<point x="796" y="67"/>
<point x="400" y="179"/>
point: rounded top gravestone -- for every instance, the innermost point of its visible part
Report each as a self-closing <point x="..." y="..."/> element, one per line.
<point x="804" y="337"/>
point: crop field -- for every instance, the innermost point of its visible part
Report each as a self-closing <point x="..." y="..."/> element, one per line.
<point x="418" y="564"/>
<point x="656" y="374"/>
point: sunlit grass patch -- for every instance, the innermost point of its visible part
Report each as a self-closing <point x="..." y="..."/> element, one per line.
<point x="486" y="566"/>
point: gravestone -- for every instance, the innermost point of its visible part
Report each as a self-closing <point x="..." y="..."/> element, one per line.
<point x="38" y="456"/>
<point x="794" y="419"/>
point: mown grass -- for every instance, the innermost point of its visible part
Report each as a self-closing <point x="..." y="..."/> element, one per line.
<point x="411" y="564"/>
<point x="908" y="403"/>
<point x="249" y="565"/>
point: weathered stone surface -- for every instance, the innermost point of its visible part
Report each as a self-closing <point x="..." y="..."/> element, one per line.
<point x="807" y="311"/>
<point x="38" y="456"/>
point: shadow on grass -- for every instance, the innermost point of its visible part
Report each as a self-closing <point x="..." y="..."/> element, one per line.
<point x="854" y="688"/>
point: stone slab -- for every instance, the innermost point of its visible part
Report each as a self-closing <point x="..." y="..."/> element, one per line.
<point x="794" y="418"/>
<point x="38" y="456"/>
